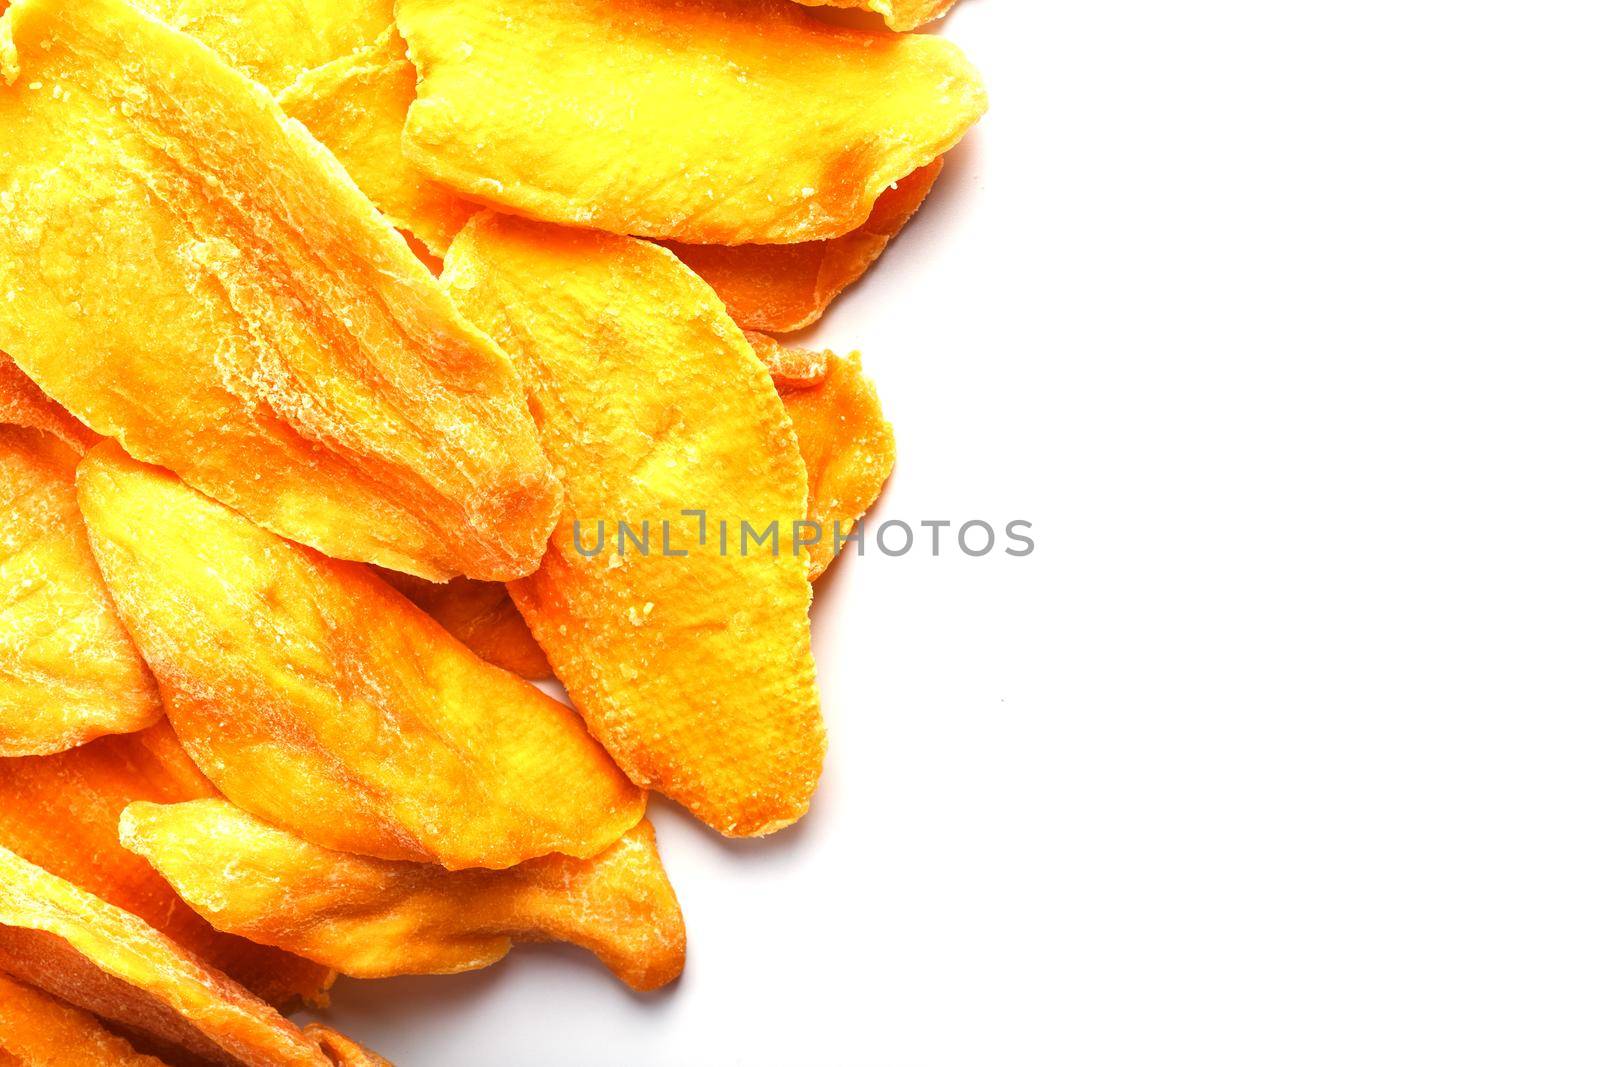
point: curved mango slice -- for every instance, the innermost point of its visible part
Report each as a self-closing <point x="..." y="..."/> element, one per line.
<point x="897" y="14"/>
<point x="848" y="447"/>
<point x="715" y="121"/>
<point x="372" y="918"/>
<point x="102" y="959"/>
<point x="60" y="812"/>
<point x="271" y="41"/>
<point x="23" y="403"/>
<point x="68" y="670"/>
<point x="37" y="1030"/>
<point x="356" y="106"/>
<point x="195" y="276"/>
<point x="481" y="616"/>
<point x="316" y="696"/>
<point x="782" y="288"/>
<point x="693" y="668"/>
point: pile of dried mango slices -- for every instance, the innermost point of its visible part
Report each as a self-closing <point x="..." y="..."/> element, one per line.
<point x="330" y="324"/>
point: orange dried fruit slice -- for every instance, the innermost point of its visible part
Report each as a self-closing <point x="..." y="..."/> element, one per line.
<point x="715" y="121"/>
<point x="782" y="288"/>
<point x="69" y="672"/>
<point x="110" y="962"/>
<point x="481" y="616"/>
<point x="897" y="14"/>
<point x="694" y="670"/>
<point x="319" y="698"/>
<point x="273" y="42"/>
<point x="356" y="106"/>
<point x="60" y="812"/>
<point x="372" y="918"/>
<point x="195" y="276"/>
<point x="37" y="1030"/>
<point x="23" y="403"/>
<point x="342" y="1051"/>
<point x="847" y="443"/>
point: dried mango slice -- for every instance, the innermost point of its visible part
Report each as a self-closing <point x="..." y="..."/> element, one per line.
<point x="372" y="918"/>
<point x="60" y="812"/>
<point x="715" y="121"/>
<point x="481" y="616"/>
<point x="271" y="41"/>
<point x="102" y="959"/>
<point x="790" y="367"/>
<point x="68" y="670"/>
<point x="847" y="443"/>
<point x="24" y="404"/>
<point x="782" y="288"/>
<point x="189" y="272"/>
<point x="356" y="106"/>
<point x="694" y="670"/>
<point x="897" y="14"/>
<point x="36" y="1030"/>
<point x="316" y="696"/>
<point x="342" y="1051"/>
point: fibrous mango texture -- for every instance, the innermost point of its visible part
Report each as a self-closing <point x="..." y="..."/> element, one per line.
<point x="22" y="403"/>
<point x="316" y="696"/>
<point x="897" y="14"/>
<point x="186" y="270"/>
<point x="373" y="918"/>
<point x="274" y="42"/>
<point x="68" y="670"/>
<point x="689" y="658"/>
<point x="104" y="960"/>
<point x="61" y="812"/>
<point x="37" y="1030"/>
<point x="356" y="106"/>
<point x="781" y="288"/>
<point x="848" y="447"/>
<point x="481" y="616"/>
<point x="708" y="121"/>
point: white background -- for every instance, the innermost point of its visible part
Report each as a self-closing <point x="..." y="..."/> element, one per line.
<point x="1278" y="320"/>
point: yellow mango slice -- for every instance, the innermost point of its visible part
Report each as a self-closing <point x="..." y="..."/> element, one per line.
<point x="782" y="288"/>
<point x="693" y="670"/>
<point x="708" y="121"/>
<point x="356" y="106"/>
<point x="36" y="1030"/>
<point x="481" y="616"/>
<point x="317" y="697"/>
<point x="23" y="403"/>
<point x="847" y="443"/>
<point x="897" y="14"/>
<point x="187" y="271"/>
<point x="60" y="812"/>
<point x="372" y="918"/>
<point x="272" y="41"/>
<point x="104" y="960"/>
<point x="68" y="670"/>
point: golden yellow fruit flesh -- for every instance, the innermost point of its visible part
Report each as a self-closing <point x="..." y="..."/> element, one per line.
<point x="373" y="918"/>
<point x="212" y="290"/>
<point x="849" y="451"/>
<point x="782" y="288"/>
<point x="37" y="1030"/>
<point x="102" y="959"/>
<point x="22" y="403"/>
<point x="481" y="616"/>
<point x="694" y="670"/>
<point x="61" y="812"/>
<point x="316" y="696"/>
<point x="708" y="121"/>
<point x="68" y="670"/>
